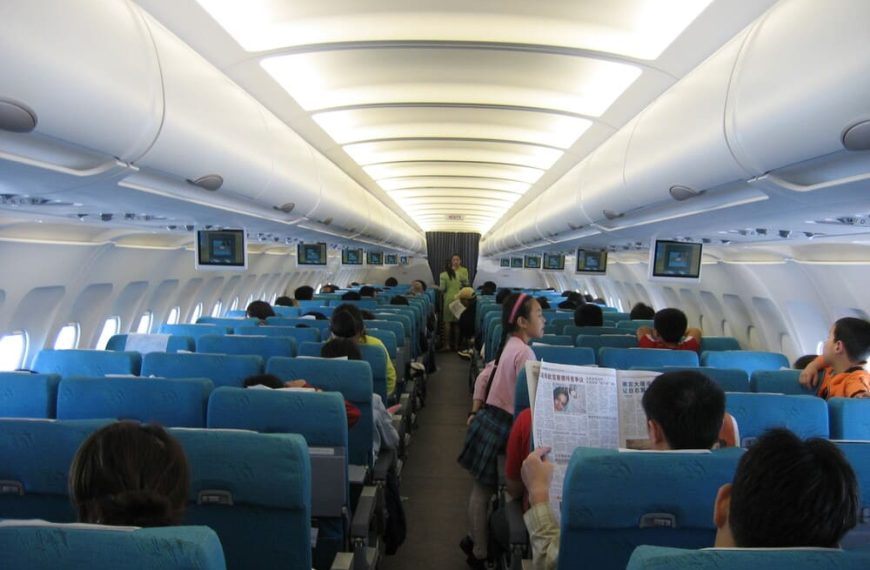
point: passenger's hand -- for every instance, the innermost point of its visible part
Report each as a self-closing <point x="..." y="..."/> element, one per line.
<point x="643" y="331"/>
<point x="809" y="377"/>
<point x="862" y="395"/>
<point x="537" y="474"/>
<point x="294" y="384"/>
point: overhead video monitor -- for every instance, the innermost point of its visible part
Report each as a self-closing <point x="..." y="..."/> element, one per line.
<point x="391" y="259"/>
<point x="516" y="263"/>
<point x="675" y="260"/>
<point x="403" y="260"/>
<point x="533" y="262"/>
<point x="374" y="258"/>
<point x="589" y="261"/>
<point x="221" y="250"/>
<point x="352" y="256"/>
<point x="311" y="254"/>
<point x="554" y="262"/>
<point x="504" y="262"/>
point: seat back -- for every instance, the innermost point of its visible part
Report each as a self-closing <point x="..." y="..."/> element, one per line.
<point x="25" y="395"/>
<point x="806" y="416"/>
<point x="626" y="358"/>
<point x="614" y="501"/>
<point x="565" y="355"/>
<point x="598" y="341"/>
<point x="556" y="340"/>
<point x="655" y="557"/>
<point x="171" y="402"/>
<point x="300" y="334"/>
<point x="729" y="379"/>
<point x="320" y="324"/>
<point x="309" y="349"/>
<point x="282" y="311"/>
<point x="377" y="359"/>
<point x="351" y="378"/>
<point x="48" y="546"/>
<point x="521" y="392"/>
<point x="719" y="343"/>
<point x="222" y="369"/>
<point x="748" y="360"/>
<point x="389" y="325"/>
<point x="194" y="331"/>
<point x="254" y="490"/>
<point x="263" y="346"/>
<point x="573" y="331"/>
<point x="849" y="418"/>
<point x="145" y="343"/>
<point x="558" y="325"/>
<point x="386" y="337"/>
<point x="632" y="326"/>
<point x="779" y="382"/>
<point x="228" y="322"/>
<point x="35" y="458"/>
<point x="858" y="454"/>
<point x="87" y="362"/>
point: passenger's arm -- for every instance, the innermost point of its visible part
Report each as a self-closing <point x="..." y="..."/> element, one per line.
<point x="694" y="333"/>
<point x="643" y="331"/>
<point x="810" y="375"/>
<point x="540" y="521"/>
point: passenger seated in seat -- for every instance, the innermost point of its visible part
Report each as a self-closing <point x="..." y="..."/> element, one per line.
<point x="418" y="287"/>
<point x="260" y="310"/>
<point x="669" y="331"/>
<point x="130" y="474"/>
<point x="543" y="302"/>
<point x="588" y="315"/>
<point x="328" y="288"/>
<point x="275" y="383"/>
<point x="843" y="358"/>
<point x="787" y="493"/>
<point x="367" y="292"/>
<point x="391" y="282"/>
<point x="284" y="301"/>
<point x="684" y="410"/>
<point x="304" y="293"/>
<point x="351" y="296"/>
<point x="347" y="322"/>
<point x="641" y="312"/>
<point x="385" y="435"/>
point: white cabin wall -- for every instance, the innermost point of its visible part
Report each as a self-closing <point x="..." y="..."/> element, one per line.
<point x="417" y="268"/>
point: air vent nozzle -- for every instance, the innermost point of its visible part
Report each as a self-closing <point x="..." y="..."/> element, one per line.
<point x="210" y="182"/>
<point x="16" y="118"/>
<point x="857" y="137"/>
<point x="680" y="193"/>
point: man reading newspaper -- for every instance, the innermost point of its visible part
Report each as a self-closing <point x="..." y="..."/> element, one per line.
<point x="599" y="407"/>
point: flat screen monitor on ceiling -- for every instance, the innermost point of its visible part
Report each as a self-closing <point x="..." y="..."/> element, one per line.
<point x="675" y="261"/>
<point x="516" y="263"/>
<point x="311" y="254"/>
<point x="351" y="256"/>
<point x="403" y="260"/>
<point x="221" y="250"/>
<point x="504" y="262"/>
<point x="554" y="262"/>
<point x="375" y="258"/>
<point x="391" y="259"/>
<point x="533" y="262"/>
<point x="589" y="261"/>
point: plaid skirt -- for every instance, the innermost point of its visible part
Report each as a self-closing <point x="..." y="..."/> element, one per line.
<point x="486" y="437"/>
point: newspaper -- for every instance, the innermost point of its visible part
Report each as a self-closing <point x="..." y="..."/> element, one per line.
<point x="581" y="406"/>
<point x="456" y="307"/>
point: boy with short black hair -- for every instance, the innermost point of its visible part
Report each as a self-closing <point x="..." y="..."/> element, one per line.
<point x="670" y="331"/>
<point x="843" y="358"/>
<point x="787" y="493"/>
<point x="588" y="315"/>
<point x="304" y="293"/>
<point x="642" y="311"/>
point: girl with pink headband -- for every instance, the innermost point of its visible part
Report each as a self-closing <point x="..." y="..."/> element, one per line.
<point x="492" y="413"/>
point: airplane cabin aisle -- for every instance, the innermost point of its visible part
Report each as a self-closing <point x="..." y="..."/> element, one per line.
<point x="434" y="486"/>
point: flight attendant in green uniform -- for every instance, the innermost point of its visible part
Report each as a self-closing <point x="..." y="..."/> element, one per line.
<point x="452" y="279"/>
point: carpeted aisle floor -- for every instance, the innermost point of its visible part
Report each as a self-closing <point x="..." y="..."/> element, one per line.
<point x="435" y="486"/>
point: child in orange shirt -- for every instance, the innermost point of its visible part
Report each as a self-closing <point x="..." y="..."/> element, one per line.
<point x="843" y="358"/>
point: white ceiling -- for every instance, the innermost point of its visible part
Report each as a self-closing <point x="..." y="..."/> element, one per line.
<point x="455" y="111"/>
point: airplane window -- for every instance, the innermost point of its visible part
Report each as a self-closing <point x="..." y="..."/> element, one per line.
<point x="216" y="310"/>
<point x="197" y="313"/>
<point x="235" y="304"/>
<point x="110" y="329"/>
<point x="68" y="337"/>
<point x="250" y="299"/>
<point x="172" y="319"/>
<point x="144" y="326"/>
<point x="820" y="347"/>
<point x="272" y="298"/>
<point x="13" y="347"/>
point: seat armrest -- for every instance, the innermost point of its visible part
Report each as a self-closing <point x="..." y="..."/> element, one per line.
<point x="364" y="514"/>
<point x="343" y="561"/>
<point x="357" y="474"/>
<point x="387" y="458"/>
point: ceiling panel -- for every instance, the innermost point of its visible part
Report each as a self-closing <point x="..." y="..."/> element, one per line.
<point x="410" y="182"/>
<point x="447" y="168"/>
<point x="507" y="153"/>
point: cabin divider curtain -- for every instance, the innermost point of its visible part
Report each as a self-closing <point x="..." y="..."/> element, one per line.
<point x="441" y="246"/>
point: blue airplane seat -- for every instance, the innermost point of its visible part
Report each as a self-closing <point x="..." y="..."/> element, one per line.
<point x="555" y="340"/>
<point x="48" y="546"/>
<point x="263" y="346"/>
<point x="144" y="343"/>
<point x="231" y="322"/>
<point x="300" y="334"/>
<point x="806" y="416"/>
<point x="614" y="501"/>
<point x="282" y="311"/>
<point x="633" y="325"/>
<point x="35" y="458"/>
<point x="222" y="369"/>
<point x="850" y="419"/>
<point x="26" y="395"/>
<point x="627" y="358"/>
<point x="858" y="454"/>
<point x="596" y="342"/>
<point x="171" y="402"/>
<point x="194" y="331"/>
<point x="565" y="355"/>
<point x="254" y="490"/>
<point x="377" y="359"/>
<point x="574" y="330"/>
<point x="320" y="324"/>
<point x="729" y="379"/>
<point x="76" y="362"/>
<point x="521" y="392"/>
<point x="309" y="349"/>
<point x="657" y="557"/>
<point x="556" y="326"/>
<point x="779" y="382"/>
<point x="748" y="360"/>
<point x="719" y="343"/>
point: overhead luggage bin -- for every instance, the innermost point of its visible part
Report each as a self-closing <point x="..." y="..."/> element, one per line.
<point x="604" y="196"/>
<point x="559" y="214"/>
<point x="69" y="103"/>
<point x="342" y="208"/>
<point x="778" y="114"/>
<point x="214" y="137"/>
